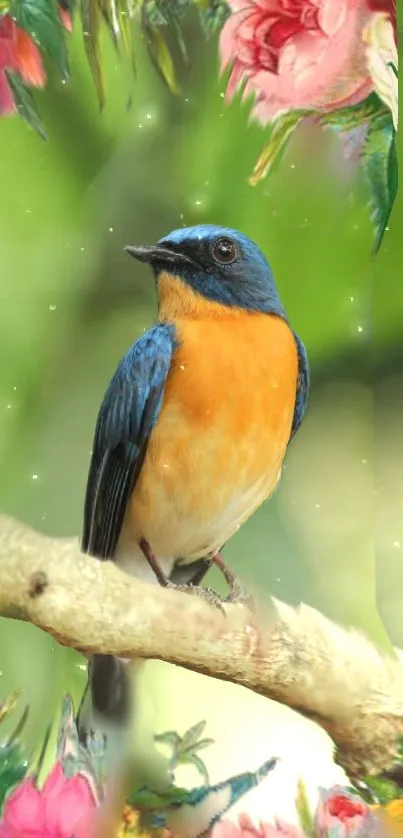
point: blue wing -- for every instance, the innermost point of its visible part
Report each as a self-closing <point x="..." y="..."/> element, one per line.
<point x="303" y="382"/>
<point x="126" y="418"/>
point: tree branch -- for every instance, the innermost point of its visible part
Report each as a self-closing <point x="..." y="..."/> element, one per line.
<point x="293" y="655"/>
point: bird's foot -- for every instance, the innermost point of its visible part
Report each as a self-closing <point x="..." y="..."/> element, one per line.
<point x="207" y="594"/>
<point x="237" y="592"/>
<point x="239" y="595"/>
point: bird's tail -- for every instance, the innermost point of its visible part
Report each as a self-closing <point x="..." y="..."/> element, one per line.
<point x="106" y="706"/>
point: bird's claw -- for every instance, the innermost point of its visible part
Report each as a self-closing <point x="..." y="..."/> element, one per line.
<point x="207" y="594"/>
<point x="238" y="594"/>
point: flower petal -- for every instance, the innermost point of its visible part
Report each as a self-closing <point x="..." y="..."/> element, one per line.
<point x="382" y="59"/>
<point x="235" y="80"/>
<point x="65" y="810"/>
<point x="55" y="782"/>
<point x="332" y="16"/>
<point x="386" y="83"/>
<point x="24" y="812"/>
<point x="27" y="59"/>
<point x="229" y="39"/>
<point x="238" y="5"/>
<point x="7" y="105"/>
<point x="66" y="19"/>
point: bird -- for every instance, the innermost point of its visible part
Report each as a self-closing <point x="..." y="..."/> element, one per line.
<point x="194" y="426"/>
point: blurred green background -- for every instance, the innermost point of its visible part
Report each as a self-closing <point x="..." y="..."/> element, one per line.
<point x="72" y="302"/>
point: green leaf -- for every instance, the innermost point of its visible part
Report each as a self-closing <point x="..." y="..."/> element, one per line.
<point x="125" y="13"/>
<point x="173" y="15"/>
<point x="192" y="736"/>
<point x="13" y="768"/>
<point x="109" y="12"/>
<point x="184" y="749"/>
<point x="346" y="118"/>
<point x="213" y="14"/>
<point x="8" y="706"/>
<point x="164" y="12"/>
<point x="20" y="727"/>
<point x="160" y="55"/>
<point x="198" y="746"/>
<point x="282" y="129"/>
<point x="25" y="103"/>
<point x="41" y="20"/>
<point x="380" y="791"/>
<point x="379" y="161"/>
<point x="125" y="28"/>
<point x="304" y="810"/>
<point x="116" y="14"/>
<point x="169" y="738"/>
<point x="152" y="13"/>
<point x="91" y="17"/>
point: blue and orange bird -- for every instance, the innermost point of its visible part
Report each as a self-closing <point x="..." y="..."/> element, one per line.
<point x="193" y="429"/>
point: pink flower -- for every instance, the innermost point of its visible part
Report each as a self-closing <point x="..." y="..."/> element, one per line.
<point x="246" y="829"/>
<point x="19" y="54"/>
<point x="296" y="54"/>
<point x="59" y="810"/>
<point x="347" y="813"/>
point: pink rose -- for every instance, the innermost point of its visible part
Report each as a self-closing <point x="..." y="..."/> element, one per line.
<point x="59" y="810"/>
<point x="246" y="829"/>
<point x="292" y="54"/>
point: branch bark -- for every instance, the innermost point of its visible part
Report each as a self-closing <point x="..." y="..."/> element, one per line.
<point x="292" y="655"/>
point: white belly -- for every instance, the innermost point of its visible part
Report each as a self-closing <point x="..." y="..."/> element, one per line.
<point x="188" y="538"/>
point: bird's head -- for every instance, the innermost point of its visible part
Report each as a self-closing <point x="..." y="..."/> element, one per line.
<point x="214" y="264"/>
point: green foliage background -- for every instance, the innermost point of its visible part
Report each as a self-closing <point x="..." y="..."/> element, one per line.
<point x="71" y="303"/>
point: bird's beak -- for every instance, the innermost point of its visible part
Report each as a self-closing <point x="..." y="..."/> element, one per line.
<point x="155" y="254"/>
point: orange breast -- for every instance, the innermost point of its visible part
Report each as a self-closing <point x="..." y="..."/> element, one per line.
<point x="217" y="448"/>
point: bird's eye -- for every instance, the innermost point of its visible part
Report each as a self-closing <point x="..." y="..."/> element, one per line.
<point x="224" y="251"/>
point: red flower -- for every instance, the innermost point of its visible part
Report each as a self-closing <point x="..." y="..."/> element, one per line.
<point x="343" y="808"/>
<point x="19" y="54"/>
<point x="348" y="814"/>
<point x="63" y="808"/>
